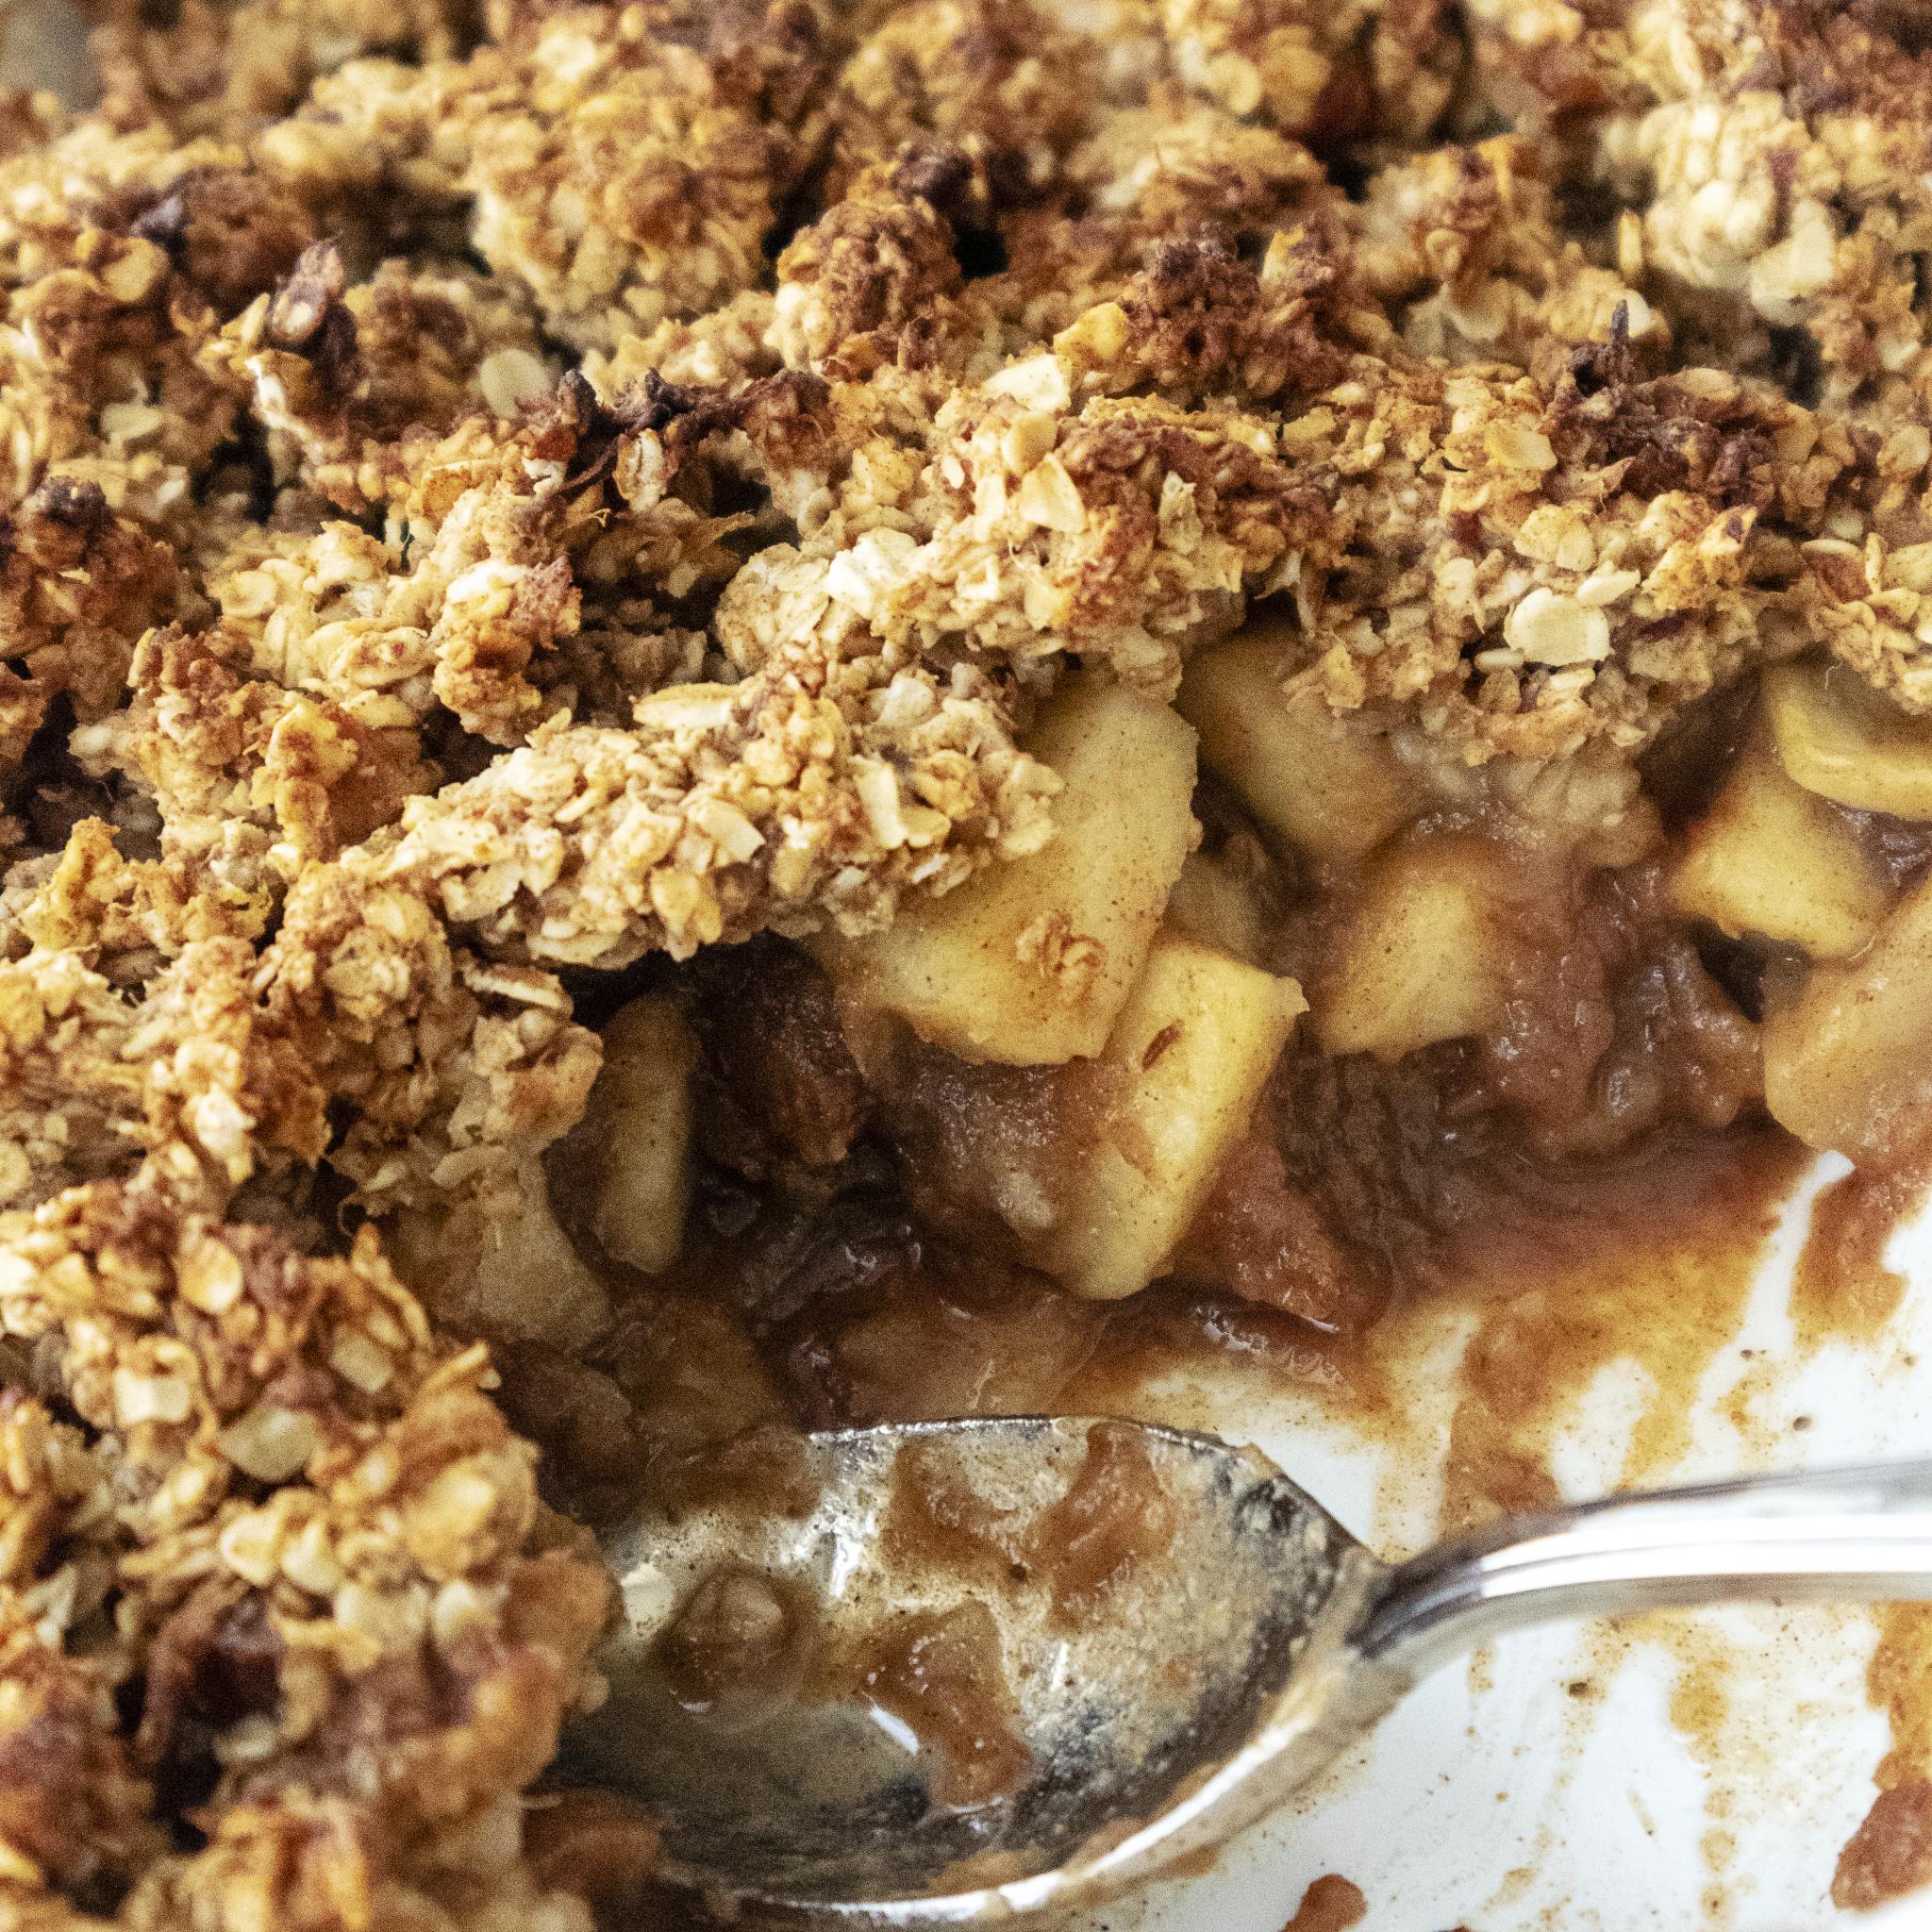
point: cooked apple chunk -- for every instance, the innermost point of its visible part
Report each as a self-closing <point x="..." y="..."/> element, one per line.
<point x="1775" y="860"/>
<point x="1327" y="785"/>
<point x="1848" y="1056"/>
<point x="1842" y="739"/>
<point x="1030" y="962"/>
<point x="500" y="1266"/>
<point x="1177" y="1085"/>
<point x="636" y="1135"/>
<point x="1428" y="951"/>
<point x="1212" y="903"/>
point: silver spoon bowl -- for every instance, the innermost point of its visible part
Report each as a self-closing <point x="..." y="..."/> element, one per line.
<point x="980" y="1669"/>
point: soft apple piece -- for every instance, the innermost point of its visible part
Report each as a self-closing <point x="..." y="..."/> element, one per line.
<point x="1327" y="785"/>
<point x="1177" y="1086"/>
<point x="1848" y="1055"/>
<point x="1030" y="962"/>
<point x="1841" y="739"/>
<point x="1211" y="902"/>
<point x="500" y="1266"/>
<point x="1773" y="858"/>
<point x="1427" y="953"/>
<point x="636" y="1135"/>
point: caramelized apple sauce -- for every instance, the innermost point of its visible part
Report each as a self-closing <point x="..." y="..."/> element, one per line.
<point x="1331" y="1904"/>
<point x="940" y="1673"/>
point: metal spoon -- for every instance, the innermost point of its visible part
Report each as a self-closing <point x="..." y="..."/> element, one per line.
<point x="1240" y="1640"/>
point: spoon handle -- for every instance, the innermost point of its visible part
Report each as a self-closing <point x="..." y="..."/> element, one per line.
<point x="1832" y="1536"/>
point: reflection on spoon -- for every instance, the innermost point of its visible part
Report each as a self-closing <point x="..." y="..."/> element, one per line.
<point x="990" y="1666"/>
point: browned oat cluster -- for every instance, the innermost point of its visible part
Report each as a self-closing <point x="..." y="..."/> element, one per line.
<point x="498" y="493"/>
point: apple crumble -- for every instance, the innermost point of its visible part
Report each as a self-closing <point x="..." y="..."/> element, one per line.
<point x="714" y="709"/>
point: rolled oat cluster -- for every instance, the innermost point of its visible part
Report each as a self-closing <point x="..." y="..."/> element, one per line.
<point x="494" y="489"/>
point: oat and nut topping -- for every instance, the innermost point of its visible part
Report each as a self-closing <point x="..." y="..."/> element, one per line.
<point x="499" y="498"/>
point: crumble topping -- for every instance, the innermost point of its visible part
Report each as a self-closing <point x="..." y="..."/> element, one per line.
<point x="496" y="495"/>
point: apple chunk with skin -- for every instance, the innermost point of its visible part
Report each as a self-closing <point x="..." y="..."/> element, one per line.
<point x="1429" y="952"/>
<point x="1175" y="1088"/>
<point x="1325" y="784"/>
<point x="1029" y="962"/>
<point x="1848" y="1055"/>
<point x="1773" y="858"/>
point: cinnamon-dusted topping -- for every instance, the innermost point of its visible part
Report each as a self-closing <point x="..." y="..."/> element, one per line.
<point x="333" y="1596"/>
<point x="1771" y="160"/>
<point x="496" y="498"/>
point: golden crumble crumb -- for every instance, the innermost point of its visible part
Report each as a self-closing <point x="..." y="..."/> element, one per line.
<point x="501" y="500"/>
